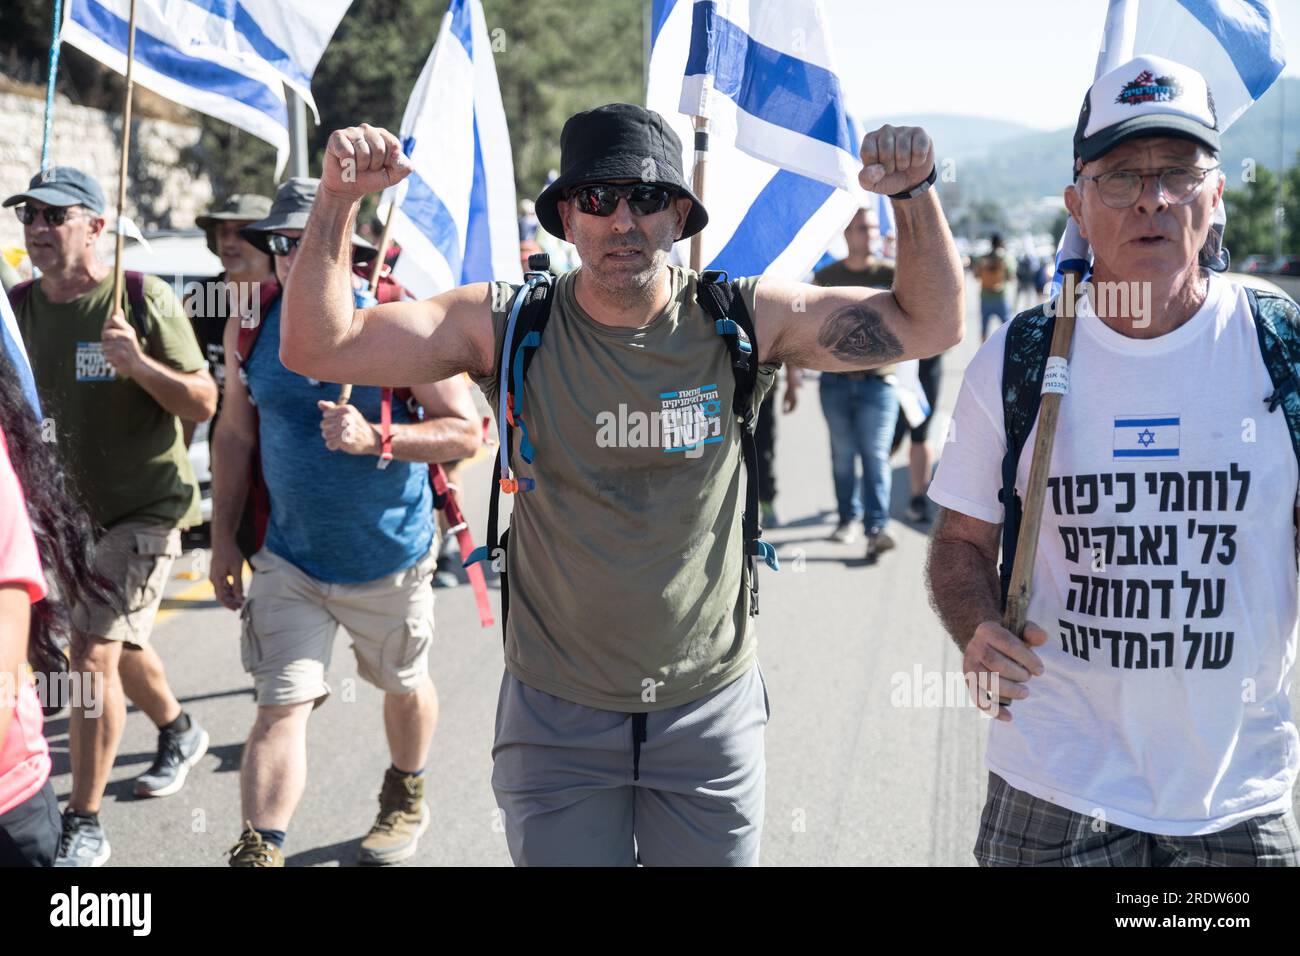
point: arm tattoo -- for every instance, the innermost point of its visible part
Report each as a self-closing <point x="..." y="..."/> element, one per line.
<point x="857" y="334"/>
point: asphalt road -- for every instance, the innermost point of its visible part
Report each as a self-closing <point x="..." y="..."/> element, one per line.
<point x="852" y="778"/>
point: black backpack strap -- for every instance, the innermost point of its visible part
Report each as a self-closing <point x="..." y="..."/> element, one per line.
<point x="1028" y="342"/>
<point x="722" y="302"/>
<point x="530" y="310"/>
<point x="1277" y="323"/>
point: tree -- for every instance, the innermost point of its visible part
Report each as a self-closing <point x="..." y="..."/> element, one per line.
<point x="1251" y="214"/>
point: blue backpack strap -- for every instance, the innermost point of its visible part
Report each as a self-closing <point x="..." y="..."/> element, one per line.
<point x="530" y="310"/>
<point x="722" y="302"/>
<point x="1277" y="323"/>
<point x="1028" y="342"/>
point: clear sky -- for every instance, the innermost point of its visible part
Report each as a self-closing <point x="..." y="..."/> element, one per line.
<point x="1029" y="61"/>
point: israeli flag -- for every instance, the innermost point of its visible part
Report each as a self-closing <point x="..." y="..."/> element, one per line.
<point x="1146" y="436"/>
<point x="11" y="344"/>
<point x="455" y="213"/>
<point x="1236" y="45"/>
<point x="227" y="58"/>
<point x="783" y="160"/>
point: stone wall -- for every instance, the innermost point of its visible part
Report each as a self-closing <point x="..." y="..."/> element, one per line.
<point x="159" y="193"/>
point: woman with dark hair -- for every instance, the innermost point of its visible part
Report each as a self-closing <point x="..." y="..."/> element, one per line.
<point x="42" y="527"/>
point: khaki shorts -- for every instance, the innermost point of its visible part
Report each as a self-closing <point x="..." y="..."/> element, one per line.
<point x="290" y="619"/>
<point x="137" y="555"/>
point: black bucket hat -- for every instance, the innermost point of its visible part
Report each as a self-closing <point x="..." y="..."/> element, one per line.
<point x="618" y="141"/>
<point x="290" y="210"/>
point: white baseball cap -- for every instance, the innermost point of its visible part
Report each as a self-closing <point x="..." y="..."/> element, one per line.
<point x="1147" y="96"/>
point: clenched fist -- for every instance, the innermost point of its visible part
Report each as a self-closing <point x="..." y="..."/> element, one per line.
<point x="362" y="159"/>
<point x="120" y="345"/>
<point x="895" y="158"/>
<point x="346" y="429"/>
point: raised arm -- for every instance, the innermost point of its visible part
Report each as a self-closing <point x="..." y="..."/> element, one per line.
<point x="322" y="334"/>
<point x="846" y="328"/>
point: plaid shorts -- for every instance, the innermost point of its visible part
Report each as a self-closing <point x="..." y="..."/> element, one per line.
<point x="1018" y="829"/>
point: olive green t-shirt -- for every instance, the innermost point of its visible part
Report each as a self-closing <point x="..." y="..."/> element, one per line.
<point x="124" y="452"/>
<point x="878" y="274"/>
<point x="625" y="560"/>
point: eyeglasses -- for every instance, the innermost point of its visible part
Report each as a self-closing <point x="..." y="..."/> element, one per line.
<point x="53" y="215"/>
<point x="601" y="199"/>
<point x="1179" y="185"/>
<point x="281" y="245"/>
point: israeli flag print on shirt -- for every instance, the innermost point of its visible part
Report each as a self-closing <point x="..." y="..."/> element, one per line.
<point x="1147" y="436"/>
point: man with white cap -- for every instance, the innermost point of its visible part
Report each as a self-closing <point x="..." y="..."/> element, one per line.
<point x="1151" y="719"/>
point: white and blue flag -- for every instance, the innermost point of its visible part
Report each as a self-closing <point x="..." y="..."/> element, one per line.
<point x="1236" y="45"/>
<point x="1146" y="436"/>
<point x="455" y="213"/>
<point x="783" y="156"/>
<point x="226" y="58"/>
<point x="11" y="345"/>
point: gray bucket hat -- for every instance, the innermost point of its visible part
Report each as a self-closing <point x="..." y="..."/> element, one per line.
<point x="290" y="210"/>
<point x="245" y="206"/>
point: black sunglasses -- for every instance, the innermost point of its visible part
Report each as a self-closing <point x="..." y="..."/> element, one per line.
<point x="601" y="199"/>
<point x="53" y="215"/>
<point x="281" y="245"/>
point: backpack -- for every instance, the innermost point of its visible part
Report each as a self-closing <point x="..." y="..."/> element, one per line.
<point x="137" y="314"/>
<point x="444" y="498"/>
<point x="1029" y="339"/>
<point x="530" y="310"/>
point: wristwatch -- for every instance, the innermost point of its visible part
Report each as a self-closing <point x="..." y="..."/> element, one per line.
<point x="919" y="188"/>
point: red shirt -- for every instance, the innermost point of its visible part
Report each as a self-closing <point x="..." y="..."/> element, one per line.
<point x="24" y="754"/>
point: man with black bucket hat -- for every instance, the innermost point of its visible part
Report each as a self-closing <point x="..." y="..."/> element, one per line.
<point x="631" y="714"/>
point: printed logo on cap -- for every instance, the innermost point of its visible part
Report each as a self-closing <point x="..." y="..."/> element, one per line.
<point x="1149" y="88"/>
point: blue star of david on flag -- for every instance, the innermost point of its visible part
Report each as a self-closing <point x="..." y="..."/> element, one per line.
<point x="1151" y="436"/>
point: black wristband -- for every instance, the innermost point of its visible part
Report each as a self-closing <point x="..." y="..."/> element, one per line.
<point x="920" y="187"/>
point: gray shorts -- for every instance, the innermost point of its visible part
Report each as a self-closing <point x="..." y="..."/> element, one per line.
<point x="1018" y="829"/>
<point x="573" y="792"/>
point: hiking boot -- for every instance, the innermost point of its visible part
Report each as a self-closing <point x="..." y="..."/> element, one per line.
<point x="846" y="532"/>
<point x="82" y="843"/>
<point x="403" y="817"/>
<point x="878" y="542"/>
<point x="919" y="509"/>
<point x="177" y="752"/>
<point x="252" y="850"/>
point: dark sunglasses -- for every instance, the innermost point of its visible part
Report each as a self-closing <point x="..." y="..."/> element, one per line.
<point x="53" y="215"/>
<point x="601" y="199"/>
<point x="281" y="245"/>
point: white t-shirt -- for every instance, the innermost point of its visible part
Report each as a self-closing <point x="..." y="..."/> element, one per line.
<point x="1165" y="577"/>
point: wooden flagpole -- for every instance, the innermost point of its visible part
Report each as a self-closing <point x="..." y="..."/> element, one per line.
<point x="697" y="183"/>
<point x="119" y="274"/>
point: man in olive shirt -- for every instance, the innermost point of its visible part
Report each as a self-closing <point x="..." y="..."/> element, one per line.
<point x="861" y="408"/>
<point x="632" y="712"/>
<point x="114" y="391"/>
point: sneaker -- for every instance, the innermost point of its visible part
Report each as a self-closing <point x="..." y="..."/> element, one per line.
<point x="767" y="514"/>
<point x="177" y="752"/>
<point x="444" y="573"/>
<point x="919" y="509"/>
<point x="252" y="850"/>
<point x="403" y="817"/>
<point x="878" y="542"/>
<point x="846" y="532"/>
<point x="82" y="843"/>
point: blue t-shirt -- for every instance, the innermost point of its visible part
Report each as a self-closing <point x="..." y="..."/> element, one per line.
<point x="333" y="515"/>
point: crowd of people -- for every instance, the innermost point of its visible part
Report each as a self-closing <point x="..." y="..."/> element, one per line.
<point x="619" y="743"/>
